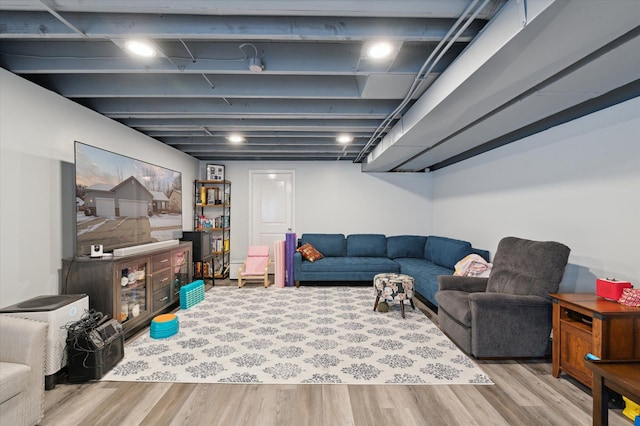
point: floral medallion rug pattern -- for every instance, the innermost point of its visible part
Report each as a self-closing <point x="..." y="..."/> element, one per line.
<point x="298" y="335"/>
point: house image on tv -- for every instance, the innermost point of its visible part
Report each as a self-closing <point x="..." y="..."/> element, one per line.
<point x="127" y="199"/>
<point x="160" y="202"/>
<point x="175" y="201"/>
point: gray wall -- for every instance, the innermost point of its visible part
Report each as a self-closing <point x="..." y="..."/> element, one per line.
<point x="37" y="133"/>
<point x="578" y="184"/>
<point x="336" y="197"/>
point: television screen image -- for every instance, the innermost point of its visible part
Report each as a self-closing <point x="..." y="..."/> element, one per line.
<point x="124" y="202"/>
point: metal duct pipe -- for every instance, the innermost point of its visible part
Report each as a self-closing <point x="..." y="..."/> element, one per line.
<point x="430" y="62"/>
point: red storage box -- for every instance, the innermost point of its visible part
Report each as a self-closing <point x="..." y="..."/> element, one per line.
<point x="610" y="288"/>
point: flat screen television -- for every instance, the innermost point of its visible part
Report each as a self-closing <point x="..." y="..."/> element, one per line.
<point x="123" y="202"/>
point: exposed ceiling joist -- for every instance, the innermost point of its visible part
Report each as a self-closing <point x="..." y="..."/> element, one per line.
<point x="291" y="75"/>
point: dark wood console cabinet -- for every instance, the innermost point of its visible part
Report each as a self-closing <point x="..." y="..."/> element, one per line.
<point x="134" y="288"/>
<point x="587" y="323"/>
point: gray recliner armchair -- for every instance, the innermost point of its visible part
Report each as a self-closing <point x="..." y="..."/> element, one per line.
<point x="508" y="314"/>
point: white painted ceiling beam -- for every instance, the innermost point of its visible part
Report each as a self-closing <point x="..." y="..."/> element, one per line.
<point x="75" y="57"/>
<point x="380" y="8"/>
<point x="142" y="107"/>
<point x="36" y="25"/>
<point x="194" y="135"/>
<point x="224" y="124"/>
<point x="506" y="61"/>
<point x="194" y="86"/>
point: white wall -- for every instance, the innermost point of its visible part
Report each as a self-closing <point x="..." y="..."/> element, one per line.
<point x="336" y="197"/>
<point x="37" y="133"/>
<point x="578" y="184"/>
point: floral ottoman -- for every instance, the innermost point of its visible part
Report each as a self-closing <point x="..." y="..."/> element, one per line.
<point x="391" y="286"/>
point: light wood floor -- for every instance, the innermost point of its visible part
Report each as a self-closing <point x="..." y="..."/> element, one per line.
<point x="524" y="393"/>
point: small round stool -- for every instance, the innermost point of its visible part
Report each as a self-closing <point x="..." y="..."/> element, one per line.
<point x="393" y="286"/>
<point x="163" y="326"/>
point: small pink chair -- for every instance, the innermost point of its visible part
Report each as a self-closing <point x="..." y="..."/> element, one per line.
<point x="256" y="267"/>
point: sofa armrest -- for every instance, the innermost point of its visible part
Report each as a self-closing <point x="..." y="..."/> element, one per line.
<point x="297" y="263"/>
<point x="468" y="284"/>
<point x="23" y="341"/>
<point x="32" y="338"/>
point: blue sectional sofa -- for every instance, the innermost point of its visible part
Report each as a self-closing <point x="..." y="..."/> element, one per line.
<point x="359" y="257"/>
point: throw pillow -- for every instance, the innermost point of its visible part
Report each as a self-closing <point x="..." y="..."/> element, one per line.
<point x="309" y="252"/>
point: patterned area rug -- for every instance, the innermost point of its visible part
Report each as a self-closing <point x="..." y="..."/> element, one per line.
<point x="298" y="335"/>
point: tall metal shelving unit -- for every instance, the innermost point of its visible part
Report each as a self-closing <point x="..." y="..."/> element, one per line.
<point x="212" y="211"/>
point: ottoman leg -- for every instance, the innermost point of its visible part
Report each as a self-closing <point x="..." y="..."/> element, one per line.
<point x="402" y="307"/>
<point x="412" y="305"/>
<point x="375" y="304"/>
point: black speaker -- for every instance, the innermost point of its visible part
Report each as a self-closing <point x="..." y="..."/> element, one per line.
<point x="91" y="355"/>
<point x="202" y="244"/>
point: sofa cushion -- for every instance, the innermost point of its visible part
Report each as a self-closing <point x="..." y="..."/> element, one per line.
<point x="517" y="267"/>
<point x="446" y="251"/>
<point x="351" y="264"/>
<point x="406" y="246"/>
<point x="330" y="245"/>
<point x="309" y="252"/>
<point x="367" y="245"/>
<point x="13" y="379"/>
<point x="425" y="274"/>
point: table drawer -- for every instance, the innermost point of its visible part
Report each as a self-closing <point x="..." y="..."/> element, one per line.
<point x="161" y="298"/>
<point x="160" y="279"/>
<point x="161" y="261"/>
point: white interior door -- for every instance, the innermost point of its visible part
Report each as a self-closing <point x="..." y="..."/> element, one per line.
<point x="272" y="206"/>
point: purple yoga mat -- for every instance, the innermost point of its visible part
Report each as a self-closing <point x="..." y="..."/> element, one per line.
<point x="290" y="249"/>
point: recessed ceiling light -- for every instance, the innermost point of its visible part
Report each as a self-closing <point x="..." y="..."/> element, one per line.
<point x="344" y="138"/>
<point x="140" y="48"/>
<point x="235" y="138"/>
<point x="380" y="50"/>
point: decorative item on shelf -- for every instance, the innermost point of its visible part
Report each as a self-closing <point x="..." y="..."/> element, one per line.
<point x="212" y="197"/>
<point x="611" y="288"/>
<point x="630" y="297"/>
<point x="215" y="172"/>
<point x="205" y="223"/>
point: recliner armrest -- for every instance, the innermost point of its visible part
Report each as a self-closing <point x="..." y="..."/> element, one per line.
<point x="494" y="300"/>
<point x="509" y="325"/>
<point x="468" y="284"/>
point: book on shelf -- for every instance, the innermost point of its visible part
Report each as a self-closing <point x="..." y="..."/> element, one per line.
<point x="222" y="222"/>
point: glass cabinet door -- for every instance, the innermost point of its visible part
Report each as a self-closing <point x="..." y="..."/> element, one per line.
<point x="181" y="261"/>
<point x="133" y="290"/>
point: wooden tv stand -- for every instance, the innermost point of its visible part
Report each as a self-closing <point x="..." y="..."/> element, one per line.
<point x="132" y="288"/>
<point x="586" y="323"/>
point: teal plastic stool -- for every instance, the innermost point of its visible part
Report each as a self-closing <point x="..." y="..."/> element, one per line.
<point x="164" y="326"/>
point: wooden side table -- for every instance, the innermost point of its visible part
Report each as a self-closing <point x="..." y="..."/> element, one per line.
<point x="586" y="323"/>
<point x="620" y="376"/>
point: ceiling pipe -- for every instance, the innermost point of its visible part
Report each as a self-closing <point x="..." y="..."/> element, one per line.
<point x="430" y="62"/>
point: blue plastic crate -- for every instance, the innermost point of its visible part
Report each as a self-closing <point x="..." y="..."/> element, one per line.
<point x="191" y="294"/>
